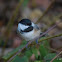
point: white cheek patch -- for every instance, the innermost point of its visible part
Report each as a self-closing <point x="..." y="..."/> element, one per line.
<point x="22" y="27"/>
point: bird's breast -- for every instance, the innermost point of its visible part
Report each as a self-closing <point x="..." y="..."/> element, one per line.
<point x="30" y="35"/>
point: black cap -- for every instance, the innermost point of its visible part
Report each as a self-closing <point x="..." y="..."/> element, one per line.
<point x="26" y="22"/>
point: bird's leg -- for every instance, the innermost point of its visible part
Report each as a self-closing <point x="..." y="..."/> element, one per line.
<point x="27" y="46"/>
<point x="36" y="41"/>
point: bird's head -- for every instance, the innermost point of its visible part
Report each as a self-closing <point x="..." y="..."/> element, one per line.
<point x="25" y="25"/>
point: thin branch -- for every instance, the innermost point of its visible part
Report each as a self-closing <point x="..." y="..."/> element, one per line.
<point x="10" y="24"/>
<point x="56" y="56"/>
<point x="36" y="39"/>
<point x="46" y="10"/>
<point x="50" y="37"/>
<point x="50" y="28"/>
<point x="20" y="50"/>
<point x="52" y="49"/>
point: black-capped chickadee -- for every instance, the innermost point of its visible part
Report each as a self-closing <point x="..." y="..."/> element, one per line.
<point x="28" y="30"/>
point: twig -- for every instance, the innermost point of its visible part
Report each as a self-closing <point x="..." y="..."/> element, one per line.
<point x="34" y="40"/>
<point x="46" y="10"/>
<point x="50" y="29"/>
<point x="10" y="24"/>
<point x="52" y="49"/>
<point x="56" y="56"/>
<point x="20" y="50"/>
<point x="50" y="37"/>
<point x="49" y="48"/>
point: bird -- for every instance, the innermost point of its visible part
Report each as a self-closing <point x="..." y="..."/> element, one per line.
<point x="28" y="30"/>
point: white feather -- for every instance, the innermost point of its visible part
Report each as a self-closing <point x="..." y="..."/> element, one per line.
<point x="30" y="35"/>
<point x="22" y="27"/>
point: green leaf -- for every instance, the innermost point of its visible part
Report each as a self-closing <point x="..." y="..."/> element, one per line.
<point x="24" y="42"/>
<point x="45" y="42"/>
<point x="18" y="59"/>
<point x="25" y="3"/>
<point x="24" y="59"/>
<point x="28" y="53"/>
<point x="50" y="56"/>
<point x="58" y="60"/>
<point x="43" y="51"/>
<point x="39" y="61"/>
<point x="35" y="51"/>
<point x="10" y="54"/>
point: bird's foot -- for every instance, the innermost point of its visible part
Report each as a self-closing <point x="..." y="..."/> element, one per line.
<point x="36" y="41"/>
<point x="27" y="47"/>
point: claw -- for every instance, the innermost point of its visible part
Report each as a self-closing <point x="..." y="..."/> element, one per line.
<point x="37" y="41"/>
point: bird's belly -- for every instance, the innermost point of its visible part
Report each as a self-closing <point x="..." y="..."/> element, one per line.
<point x="31" y="35"/>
